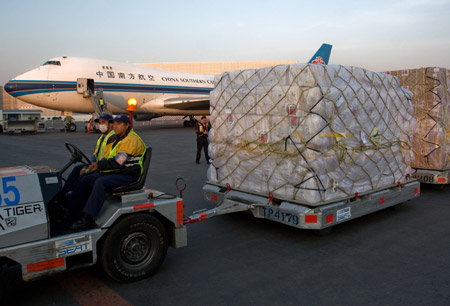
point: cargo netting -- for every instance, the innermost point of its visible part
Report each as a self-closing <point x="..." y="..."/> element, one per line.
<point x="310" y="132"/>
<point x="431" y="109"/>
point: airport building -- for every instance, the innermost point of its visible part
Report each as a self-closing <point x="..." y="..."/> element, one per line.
<point x="213" y="68"/>
<point x="210" y="68"/>
<point x="8" y="102"/>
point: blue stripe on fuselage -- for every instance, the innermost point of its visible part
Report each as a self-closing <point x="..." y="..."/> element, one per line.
<point x="21" y="88"/>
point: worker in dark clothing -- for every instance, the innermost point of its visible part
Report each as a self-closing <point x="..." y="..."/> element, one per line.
<point x="202" y="139"/>
<point x="123" y="166"/>
<point x="105" y="125"/>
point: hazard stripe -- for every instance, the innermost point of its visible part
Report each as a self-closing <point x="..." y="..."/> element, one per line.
<point x="180" y="213"/>
<point x="310" y="218"/>
<point x="144" y="206"/>
<point x="45" y="265"/>
<point x="12" y="168"/>
<point x="14" y="173"/>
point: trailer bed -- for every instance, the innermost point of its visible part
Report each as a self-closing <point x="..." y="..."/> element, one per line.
<point x="315" y="216"/>
<point x="428" y="176"/>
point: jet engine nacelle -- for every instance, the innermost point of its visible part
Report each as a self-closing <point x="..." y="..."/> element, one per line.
<point x="145" y="117"/>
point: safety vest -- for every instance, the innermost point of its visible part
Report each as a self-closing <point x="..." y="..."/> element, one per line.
<point x="102" y="102"/>
<point x="201" y="129"/>
<point x="101" y="145"/>
<point x="131" y="160"/>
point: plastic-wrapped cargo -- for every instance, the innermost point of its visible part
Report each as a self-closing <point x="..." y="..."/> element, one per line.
<point x="431" y="103"/>
<point x="309" y="133"/>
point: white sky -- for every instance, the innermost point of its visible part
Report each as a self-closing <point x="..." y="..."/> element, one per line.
<point x="377" y="35"/>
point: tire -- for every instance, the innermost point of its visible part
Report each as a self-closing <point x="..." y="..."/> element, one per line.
<point x="3" y="285"/>
<point x="397" y="207"/>
<point x="438" y="186"/>
<point x="134" y="248"/>
<point x="323" y="232"/>
<point x="10" y="283"/>
<point x="71" y="127"/>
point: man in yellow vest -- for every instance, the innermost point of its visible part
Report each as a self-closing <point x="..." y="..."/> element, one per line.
<point x="104" y="142"/>
<point x="123" y="166"/>
<point x="105" y="125"/>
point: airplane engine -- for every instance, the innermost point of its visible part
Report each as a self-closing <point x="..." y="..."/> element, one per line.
<point x="145" y="117"/>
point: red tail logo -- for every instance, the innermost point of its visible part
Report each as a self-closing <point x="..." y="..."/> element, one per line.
<point x="318" y="60"/>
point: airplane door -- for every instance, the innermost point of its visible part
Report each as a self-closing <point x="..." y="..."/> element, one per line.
<point x="85" y="87"/>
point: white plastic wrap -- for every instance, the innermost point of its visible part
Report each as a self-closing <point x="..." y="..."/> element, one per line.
<point x="309" y="132"/>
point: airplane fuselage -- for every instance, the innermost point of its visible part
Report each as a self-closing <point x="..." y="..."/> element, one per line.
<point x="54" y="85"/>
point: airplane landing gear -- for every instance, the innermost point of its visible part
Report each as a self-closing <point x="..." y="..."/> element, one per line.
<point x="189" y="123"/>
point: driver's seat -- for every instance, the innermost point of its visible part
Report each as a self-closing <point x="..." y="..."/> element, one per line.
<point x="141" y="181"/>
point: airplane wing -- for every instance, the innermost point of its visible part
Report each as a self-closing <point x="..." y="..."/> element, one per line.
<point x="187" y="104"/>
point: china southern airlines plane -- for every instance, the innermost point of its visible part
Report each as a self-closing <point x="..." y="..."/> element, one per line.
<point x="66" y="83"/>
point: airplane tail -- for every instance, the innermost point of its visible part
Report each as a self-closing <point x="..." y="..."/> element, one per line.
<point x="322" y="55"/>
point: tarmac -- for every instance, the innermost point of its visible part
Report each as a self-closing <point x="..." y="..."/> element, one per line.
<point x="391" y="257"/>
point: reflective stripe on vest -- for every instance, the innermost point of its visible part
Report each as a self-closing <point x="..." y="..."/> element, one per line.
<point x="200" y="128"/>
<point x="101" y="145"/>
<point x="131" y="160"/>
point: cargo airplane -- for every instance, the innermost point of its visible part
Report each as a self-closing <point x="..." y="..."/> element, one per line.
<point x="64" y="83"/>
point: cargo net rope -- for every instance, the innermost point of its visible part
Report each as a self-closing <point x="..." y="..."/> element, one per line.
<point x="431" y="143"/>
<point x="309" y="133"/>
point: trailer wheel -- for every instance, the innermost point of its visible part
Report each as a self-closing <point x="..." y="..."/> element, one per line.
<point x="71" y="127"/>
<point x="438" y="186"/>
<point x="397" y="207"/>
<point x="134" y="248"/>
<point x="324" y="231"/>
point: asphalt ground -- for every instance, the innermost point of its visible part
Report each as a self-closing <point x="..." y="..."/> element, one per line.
<point x="391" y="257"/>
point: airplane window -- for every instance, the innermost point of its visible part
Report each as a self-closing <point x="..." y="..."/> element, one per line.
<point x="57" y="63"/>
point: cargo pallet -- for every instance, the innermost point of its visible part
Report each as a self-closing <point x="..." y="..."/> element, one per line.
<point x="319" y="216"/>
<point x="427" y="176"/>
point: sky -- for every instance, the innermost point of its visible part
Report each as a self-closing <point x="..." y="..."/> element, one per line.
<point x="377" y="35"/>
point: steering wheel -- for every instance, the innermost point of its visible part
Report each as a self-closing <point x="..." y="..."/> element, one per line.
<point x="77" y="155"/>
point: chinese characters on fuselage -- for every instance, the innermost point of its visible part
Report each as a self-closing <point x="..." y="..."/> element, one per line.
<point x="110" y="74"/>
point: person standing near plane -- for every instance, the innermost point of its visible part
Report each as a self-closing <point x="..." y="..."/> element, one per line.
<point x="202" y="139"/>
<point x="123" y="166"/>
<point x="102" y="103"/>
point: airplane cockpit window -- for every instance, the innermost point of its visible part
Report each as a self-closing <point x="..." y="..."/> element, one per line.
<point x="57" y="63"/>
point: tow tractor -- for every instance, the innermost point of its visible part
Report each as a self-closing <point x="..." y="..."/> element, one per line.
<point x="130" y="239"/>
<point x="321" y="216"/>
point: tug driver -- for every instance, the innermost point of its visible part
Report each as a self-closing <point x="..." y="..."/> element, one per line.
<point x="122" y="166"/>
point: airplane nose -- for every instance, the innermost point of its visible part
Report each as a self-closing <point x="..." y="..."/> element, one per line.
<point x="10" y="87"/>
